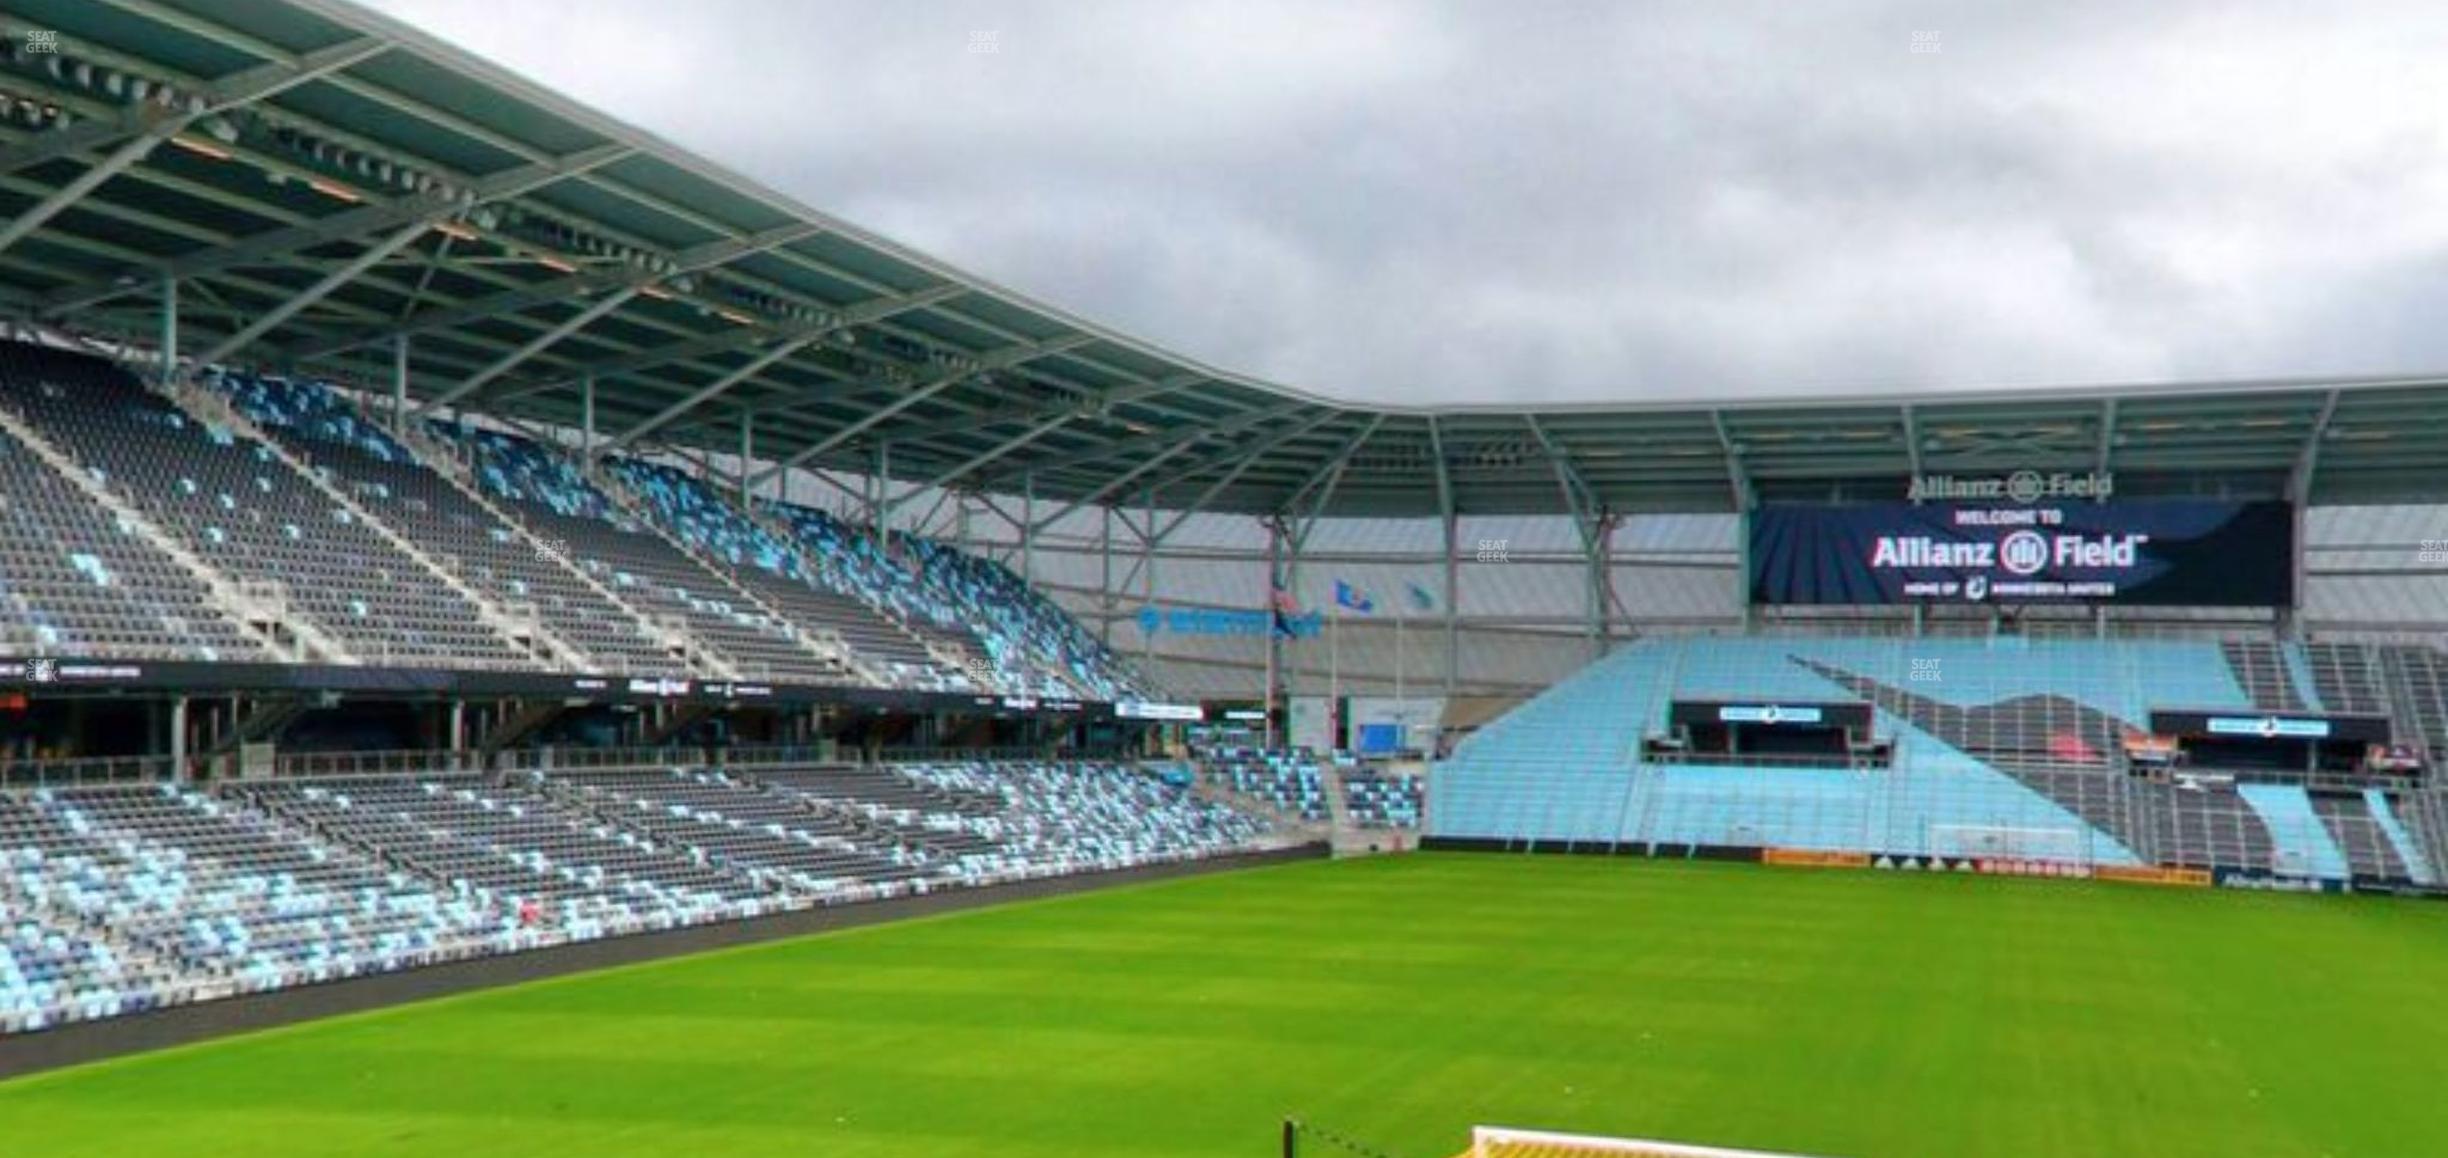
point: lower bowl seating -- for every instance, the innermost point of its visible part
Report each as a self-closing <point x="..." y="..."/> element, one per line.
<point x="116" y="900"/>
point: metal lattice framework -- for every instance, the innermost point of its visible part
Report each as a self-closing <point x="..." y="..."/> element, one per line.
<point x="310" y="187"/>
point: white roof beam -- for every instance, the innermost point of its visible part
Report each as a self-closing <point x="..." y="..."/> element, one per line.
<point x="312" y="294"/>
<point x="693" y="260"/>
<point x="421" y="210"/>
<point x="146" y="119"/>
<point x="534" y="346"/>
<point x="710" y="391"/>
<point x="923" y="391"/>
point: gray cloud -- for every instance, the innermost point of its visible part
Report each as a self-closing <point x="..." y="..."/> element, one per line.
<point x="1597" y="201"/>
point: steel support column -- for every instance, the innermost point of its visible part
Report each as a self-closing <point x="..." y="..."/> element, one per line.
<point x="169" y="330"/>
<point x="747" y="450"/>
<point x="2299" y="496"/>
<point x="1105" y="596"/>
<point x="1453" y="604"/>
<point x="1274" y="639"/>
<point x="399" y="385"/>
<point x="1450" y="518"/>
<point x="1147" y="578"/>
<point x="1028" y="534"/>
<point x="1601" y="565"/>
<point x="1746" y="501"/>
<point x="178" y="739"/>
<point x="1293" y="541"/>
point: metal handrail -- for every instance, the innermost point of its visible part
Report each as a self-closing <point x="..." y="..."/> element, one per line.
<point x="42" y="773"/>
<point x="916" y="755"/>
<point x="377" y="763"/>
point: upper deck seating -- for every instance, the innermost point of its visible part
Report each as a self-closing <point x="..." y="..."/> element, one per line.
<point x="239" y="507"/>
<point x="382" y="476"/>
<point x="768" y="566"/>
<point x="570" y="516"/>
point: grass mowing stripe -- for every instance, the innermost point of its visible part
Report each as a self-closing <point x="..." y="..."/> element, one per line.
<point x="1401" y="1000"/>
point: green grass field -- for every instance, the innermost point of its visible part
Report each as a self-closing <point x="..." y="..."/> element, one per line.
<point x="1869" y="1015"/>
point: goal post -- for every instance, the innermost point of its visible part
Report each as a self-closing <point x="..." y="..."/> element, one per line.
<point x="2010" y="842"/>
<point x="1506" y="1142"/>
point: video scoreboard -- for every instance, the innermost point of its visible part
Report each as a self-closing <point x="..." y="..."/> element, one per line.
<point x="2166" y="552"/>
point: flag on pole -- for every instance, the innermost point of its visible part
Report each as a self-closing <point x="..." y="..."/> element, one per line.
<point x="1422" y="599"/>
<point x="1349" y="596"/>
<point x="1284" y="606"/>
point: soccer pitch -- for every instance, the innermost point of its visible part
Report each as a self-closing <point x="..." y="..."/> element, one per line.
<point x="1400" y="1001"/>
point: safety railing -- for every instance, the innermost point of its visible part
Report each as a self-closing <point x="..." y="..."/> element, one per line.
<point x="18" y="773"/>
<point x="935" y="755"/>
<point x="769" y="755"/>
<point x="391" y="763"/>
<point x="21" y="650"/>
<point x="551" y="759"/>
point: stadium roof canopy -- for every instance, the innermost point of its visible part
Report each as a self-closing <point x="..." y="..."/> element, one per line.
<point x="320" y="181"/>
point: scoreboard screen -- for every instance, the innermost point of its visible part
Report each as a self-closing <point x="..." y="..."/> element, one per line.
<point x="2168" y="552"/>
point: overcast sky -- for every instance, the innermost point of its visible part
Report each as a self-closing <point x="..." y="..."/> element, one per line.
<point x="1508" y="200"/>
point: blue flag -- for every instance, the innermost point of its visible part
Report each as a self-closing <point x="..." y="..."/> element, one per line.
<point x="1354" y="598"/>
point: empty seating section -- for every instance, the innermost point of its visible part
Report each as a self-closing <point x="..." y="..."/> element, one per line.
<point x="1029" y="645"/>
<point x="1060" y="817"/>
<point x="114" y="900"/>
<point x="2420" y="674"/>
<point x="2401" y="839"/>
<point x="944" y="825"/>
<point x="569" y="515"/>
<point x="2005" y="746"/>
<point x="853" y="564"/>
<point x="1381" y="800"/>
<point x="1290" y="781"/>
<point x="2359" y="837"/>
<point x="768" y="566"/>
<point x="2205" y="825"/>
<point x="2301" y="842"/>
<point x="50" y="974"/>
<point x="241" y="509"/>
<point x="770" y="837"/>
<point x="205" y="900"/>
<point x="1020" y="628"/>
<point x="75" y="581"/>
<point x="513" y="844"/>
<point x="55" y="963"/>
<point x="2268" y="679"/>
<point x="981" y="821"/>
<point x="883" y="790"/>
<point x="498" y="560"/>
<point x="2344" y="677"/>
